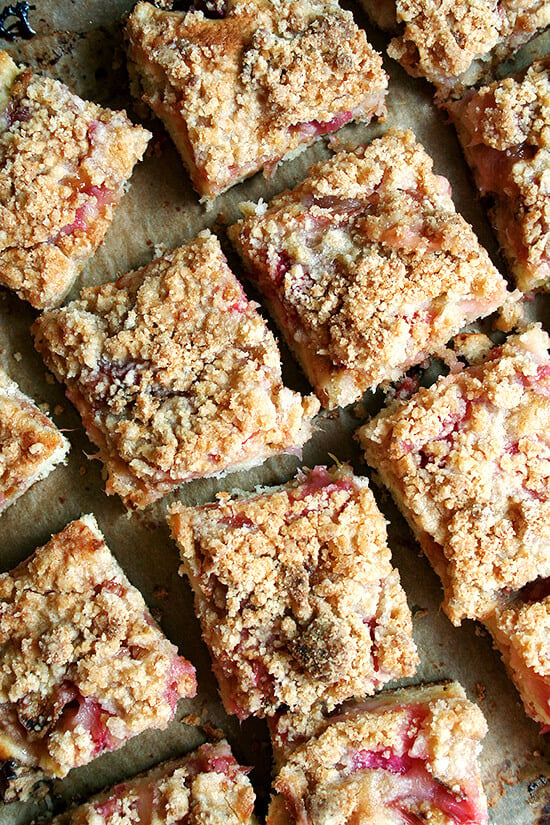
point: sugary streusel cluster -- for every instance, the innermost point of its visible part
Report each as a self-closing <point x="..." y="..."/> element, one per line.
<point x="83" y="666"/>
<point x="63" y="166"/>
<point x="367" y="267"/>
<point x="263" y="79"/>
<point x="408" y="755"/>
<point x="175" y="374"/>
<point x="504" y="129"/>
<point x="30" y="444"/>
<point x="454" y="44"/>
<point x="207" y="785"/>
<point x="296" y="594"/>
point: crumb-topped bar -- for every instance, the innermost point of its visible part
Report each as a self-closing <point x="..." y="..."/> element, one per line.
<point x="404" y="756"/>
<point x="296" y="594"/>
<point x="30" y="444"/>
<point x="467" y="461"/>
<point x="241" y="84"/>
<point x="83" y="666"/>
<point x="366" y="266"/>
<point x="520" y="626"/>
<point x="455" y="43"/>
<point x="174" y="373"/>
<point x="504" y="129"/>
<point x="64" y="163"/>
<point x="206" y="787"/>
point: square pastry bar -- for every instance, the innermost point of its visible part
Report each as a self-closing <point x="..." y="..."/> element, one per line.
<point x="403" y="756"/>
<point x="366" y="266"/>
<point x="241" y="84"/>
<point x="174" y="373"/>
<point x="455" y="43"/>
<point x="504" y="130"/>
<point x="468" y="462"/>
<point x="83" y="666"/>
<point x="205" y="787"/>
<point x="296" y="594"/>
<point x="64" y="163"/>
<point x="520" y="626"/>
<point x="30" y="444"/>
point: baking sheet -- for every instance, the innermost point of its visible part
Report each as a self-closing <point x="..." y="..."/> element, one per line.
<point x="81" y="44"/>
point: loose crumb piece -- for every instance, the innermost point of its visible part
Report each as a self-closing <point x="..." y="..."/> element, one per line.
<point x="245" y="83"/>
<point x="30" y="444"/>
<point x="64" y="163"/>
<point x="367" y="267"/>
<point x="83" y="666"/>
<point x="404" y="756"/>
<point x="296" y="593"/>
<point x="175" y="374"/>
<point x="207" y="786"/>
<point x="467" y="462"/>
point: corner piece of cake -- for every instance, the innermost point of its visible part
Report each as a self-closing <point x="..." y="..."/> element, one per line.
<point x="64" y="163"/>
<point x="30" y="444"/>
<point x="467" y="463"/>
<point x="520" y="626"/>
<point x="242" y="84"/>
<point x="83" y="665"/>
<point x="175" y="374"/>
<point x="503" y="129"/>
<point x="207" y="787"/>
<point x="455" y="44"/>
<point x="403" y="756"/>
<point x="296" y="594"/>
<point x="366" y="266"/>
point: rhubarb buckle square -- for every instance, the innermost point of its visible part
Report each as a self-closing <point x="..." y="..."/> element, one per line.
<point x="175" y="374"/>
<point x="455" y="43"/>
<point x="468" y="462"/>
<point x="366" y="266"/>
<point x="83" y="665"/>
<point x="242" y="84"/>
<point x="296" y="594"/>
<point x="207" y="787"/>
<point x="30" y="444"/>
<point x="503" y="129"/>
<point x="64" y="164"/>
<point x="404" y="756"/>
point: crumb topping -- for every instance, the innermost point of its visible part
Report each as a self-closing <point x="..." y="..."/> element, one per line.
<point x="468" y="461"/>
<point x="175" y="374"/>
<point x="245" y="89"/>
<point x="414" y="751"/>
<point x="367" y="266"/>
<point x="63" y="166"/>
<point x="504" y="129"/>
<point x="207" y="784"/>
<point x="296" y="594"/>
<point x="83" y="666"/>
<point x="453" y="44"/>
<point x="30" y="444"/>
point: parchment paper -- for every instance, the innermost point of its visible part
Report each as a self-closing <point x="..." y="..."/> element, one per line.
<point x="80" y="43"/>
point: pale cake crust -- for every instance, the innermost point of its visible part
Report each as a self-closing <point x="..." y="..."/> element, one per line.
<point x="174" y="373"/>
<point x="262" y="81"/>
<point x="404" y="756"/>
<point x="296" y="593"/>
<point x="467" y="461"/>
<point x="455" y="44"/>
<point x="83" y="666"/>
<point x="64" y="163"/>
<point x="30" y="444"/>
<point x="206" y="787"/>
<point x="504" y="129"/>
<point x="367" y="267"/>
